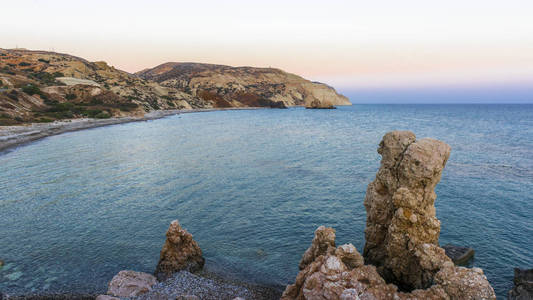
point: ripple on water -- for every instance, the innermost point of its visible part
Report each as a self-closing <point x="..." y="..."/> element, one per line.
<point x="252" y="186"/>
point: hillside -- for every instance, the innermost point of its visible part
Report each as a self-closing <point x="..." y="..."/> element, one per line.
<point x="40" y="86"/>
<point x="242" y="86"/>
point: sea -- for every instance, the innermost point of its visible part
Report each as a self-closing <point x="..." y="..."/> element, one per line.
<point x="252" y="186"/>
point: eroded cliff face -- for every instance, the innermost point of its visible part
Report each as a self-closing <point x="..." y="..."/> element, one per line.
<point x="402" y="234"/>
<point x="226" y="86"/>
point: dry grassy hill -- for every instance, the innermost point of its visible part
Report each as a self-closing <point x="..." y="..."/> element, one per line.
<point x="40" y="86"/>
<point x="242" y="86"/>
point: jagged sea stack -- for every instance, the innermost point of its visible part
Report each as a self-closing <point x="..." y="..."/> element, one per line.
<point x="402" y="229"/>
<point x="180" y="252"/>
<point x="402" y="238"/>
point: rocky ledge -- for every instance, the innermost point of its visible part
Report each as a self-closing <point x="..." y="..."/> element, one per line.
<point x="402" y="258"/>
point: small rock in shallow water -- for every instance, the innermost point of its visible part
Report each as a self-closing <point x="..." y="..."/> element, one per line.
<point x="130" y="283"/>
<point x="1" y="263"/>
<point x="459" y="255"/>
<point x="180" y="252"/>
<point x="523" y="285"/>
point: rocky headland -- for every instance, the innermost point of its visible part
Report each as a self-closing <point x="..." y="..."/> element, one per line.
<point x="41" y="87"/>
<point x="226" y="86"/>
<point x="46" y="93"/>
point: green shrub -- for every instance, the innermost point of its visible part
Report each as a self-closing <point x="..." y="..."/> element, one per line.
<point x="7" y="70"/>
<point x="31" y="89"/>
<point x="47" y="78"/>
<point x="24" y="64"/>
<point x="13" y="95"/>
<point x="96" y="101"/>
<point x="44" y="120"/>
<point x="61" y="107"/>
<point x="44" y="60"/>
<point x="70" y="96"/>
<point x="170" y="103"/>
<point x="91" y="113"/>
<point x="103" y="115"/>
<point x="127" y="106"/>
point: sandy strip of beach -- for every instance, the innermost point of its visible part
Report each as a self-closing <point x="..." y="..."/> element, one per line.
<point x="13" y="136"/>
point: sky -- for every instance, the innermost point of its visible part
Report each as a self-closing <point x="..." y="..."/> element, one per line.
<point x="347" y="44"/>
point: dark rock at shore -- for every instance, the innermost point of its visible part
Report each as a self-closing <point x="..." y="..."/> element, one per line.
<point x="523" y="285"/>
<point x="459" y="255"/>
<point x="317" y="104"/>
<point x="180" y="252"/>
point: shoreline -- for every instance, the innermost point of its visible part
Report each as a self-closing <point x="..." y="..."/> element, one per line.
<point x="19" y="135"/>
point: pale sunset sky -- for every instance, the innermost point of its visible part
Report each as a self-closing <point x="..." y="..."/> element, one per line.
<point x="343" y="43"/>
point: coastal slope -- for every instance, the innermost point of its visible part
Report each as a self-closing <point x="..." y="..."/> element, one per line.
<point x="41" y="86"/>
<point x="227" y="86"/>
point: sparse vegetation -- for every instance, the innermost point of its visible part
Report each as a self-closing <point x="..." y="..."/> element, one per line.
<point x="31" y="89"/>
<point x="127" y="106"/>
<point x="44" y="60"/>
<point x="103" y="115"/>
<point x="24" y="64"/>
<point x="47" y="78"/>
<point x="70" y="96"/>
<point x="7" y="70"/>
<point x="13" y="95"/>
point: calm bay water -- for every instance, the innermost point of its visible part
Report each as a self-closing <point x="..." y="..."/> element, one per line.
<point x="252" y="186"/>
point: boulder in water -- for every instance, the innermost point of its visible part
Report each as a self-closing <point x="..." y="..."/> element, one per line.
<point x="180" y="252"/>
<point x="523" y="285"/>
<point x="459" y="255"/>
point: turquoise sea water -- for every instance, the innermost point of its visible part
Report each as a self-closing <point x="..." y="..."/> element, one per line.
<point x="252" y="186"/>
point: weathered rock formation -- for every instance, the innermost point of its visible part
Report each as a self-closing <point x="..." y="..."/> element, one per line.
<point x="180" y="252"/>
<point x="317" y="104"/>
<point x="130" y="284"/>
<point x="523" y="285"/>
<point x="401" y="237"/>
<point x="402" y="230"/>
<point x="226" y="86"/>
<point x="459" y="255"/>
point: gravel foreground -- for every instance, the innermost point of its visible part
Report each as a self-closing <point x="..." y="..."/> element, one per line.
<point x="208" y="287"/>
<point x="182" y="285"/>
